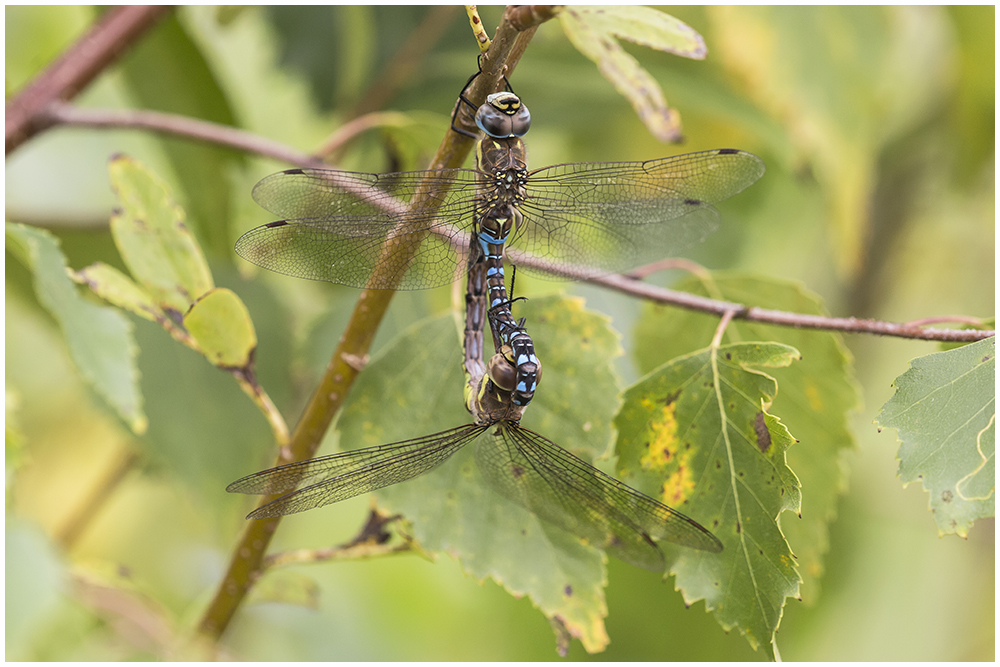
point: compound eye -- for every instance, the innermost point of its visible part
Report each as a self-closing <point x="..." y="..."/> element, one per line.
<point x="493" y="122"/>
<point x="502" y="372"/>
<point x="520" y="122"/>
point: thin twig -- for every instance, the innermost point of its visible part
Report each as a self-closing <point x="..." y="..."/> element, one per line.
<point x="962" y="319"/>
<point x="106" y="40"/>
<point x="667" y="264"/>
<point x="783" y="318"/>
<point x="703" y="304"/>
<point x="61" y="113"/>
<point x="477" y="28"/>
<point x="247" y="380"/>
<point x="370" y="542"/>
<point x="331" y="554"/>
<point x="335" y="143"/>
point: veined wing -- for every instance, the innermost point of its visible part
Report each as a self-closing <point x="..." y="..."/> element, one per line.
<point x="613" y="216"/>
<point x="329" y="479"/>
<point x="337" y="223"/>
<point x="572" y="494"/>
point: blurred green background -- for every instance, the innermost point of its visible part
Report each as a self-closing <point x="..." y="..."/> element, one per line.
<point x="877" y="127"/>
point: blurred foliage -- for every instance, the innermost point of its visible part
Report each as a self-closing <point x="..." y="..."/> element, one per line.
<point x="877" y="127"/>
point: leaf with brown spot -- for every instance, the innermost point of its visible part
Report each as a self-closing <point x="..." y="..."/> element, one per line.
<point x="736" y="495"/>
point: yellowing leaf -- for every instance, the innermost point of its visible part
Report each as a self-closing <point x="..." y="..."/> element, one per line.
<point x="815" y="397"/>
<point x="724" y="466"/>
<point x="160" y="252"/>
<point x="594" y="31"/>
<point x="118" y="289"/>
<point x="221" y="325"/>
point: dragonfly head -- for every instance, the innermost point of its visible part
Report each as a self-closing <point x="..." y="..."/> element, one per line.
<point x="503" y="116"/>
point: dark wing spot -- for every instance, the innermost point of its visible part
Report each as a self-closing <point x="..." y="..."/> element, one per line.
<point x="693" y="202"/>
<point x="728" y="151"/>
<point x="294" y="171"/>
<point x="279" y="223"/>
<point x="763" y="435"/>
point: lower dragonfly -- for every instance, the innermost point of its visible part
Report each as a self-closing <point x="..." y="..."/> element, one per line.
<point x="518" y="463"/>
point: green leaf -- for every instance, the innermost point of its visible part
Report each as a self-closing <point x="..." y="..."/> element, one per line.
<point x="415" y="388"/>
<point x="222" y="327"/>
<point x="167" y="71"/>
<point x="118" y="289"/>
<point x="35" y="573"/>
<point x="815" y="398"/>
<point x="593" y="31"/>
<point x="944" y="411"/>
<point x="697" y="435"/>
<point x="99" y="339"/>
<point x="156" y="245"/>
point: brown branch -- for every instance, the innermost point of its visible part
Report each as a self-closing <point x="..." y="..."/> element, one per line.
<point x="782" y="318"/>
<point x="111" y="36"/>
<point x="58" y="113"/>
<point x="338" y="139"/>
<point x="523" y="17"/>
<point x="64" y="114"/>
<point x="61" y="113"/>
<point x="247" y="560"/>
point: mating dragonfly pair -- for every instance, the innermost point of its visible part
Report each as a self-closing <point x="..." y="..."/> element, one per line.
<point x="410" y="230"/>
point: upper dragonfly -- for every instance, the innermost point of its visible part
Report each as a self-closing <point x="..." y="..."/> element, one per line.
<point x="408" y="230"/>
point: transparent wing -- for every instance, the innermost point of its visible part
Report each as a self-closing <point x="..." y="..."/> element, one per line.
<point x="572" y="494"/>
<point x="337" y="223"/>
<point x="614" y="216"/>
<point x="333" y="478"/>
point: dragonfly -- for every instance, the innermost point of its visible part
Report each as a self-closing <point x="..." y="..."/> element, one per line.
<point x="521" y="465"/>
<point x="407" y="230"/>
